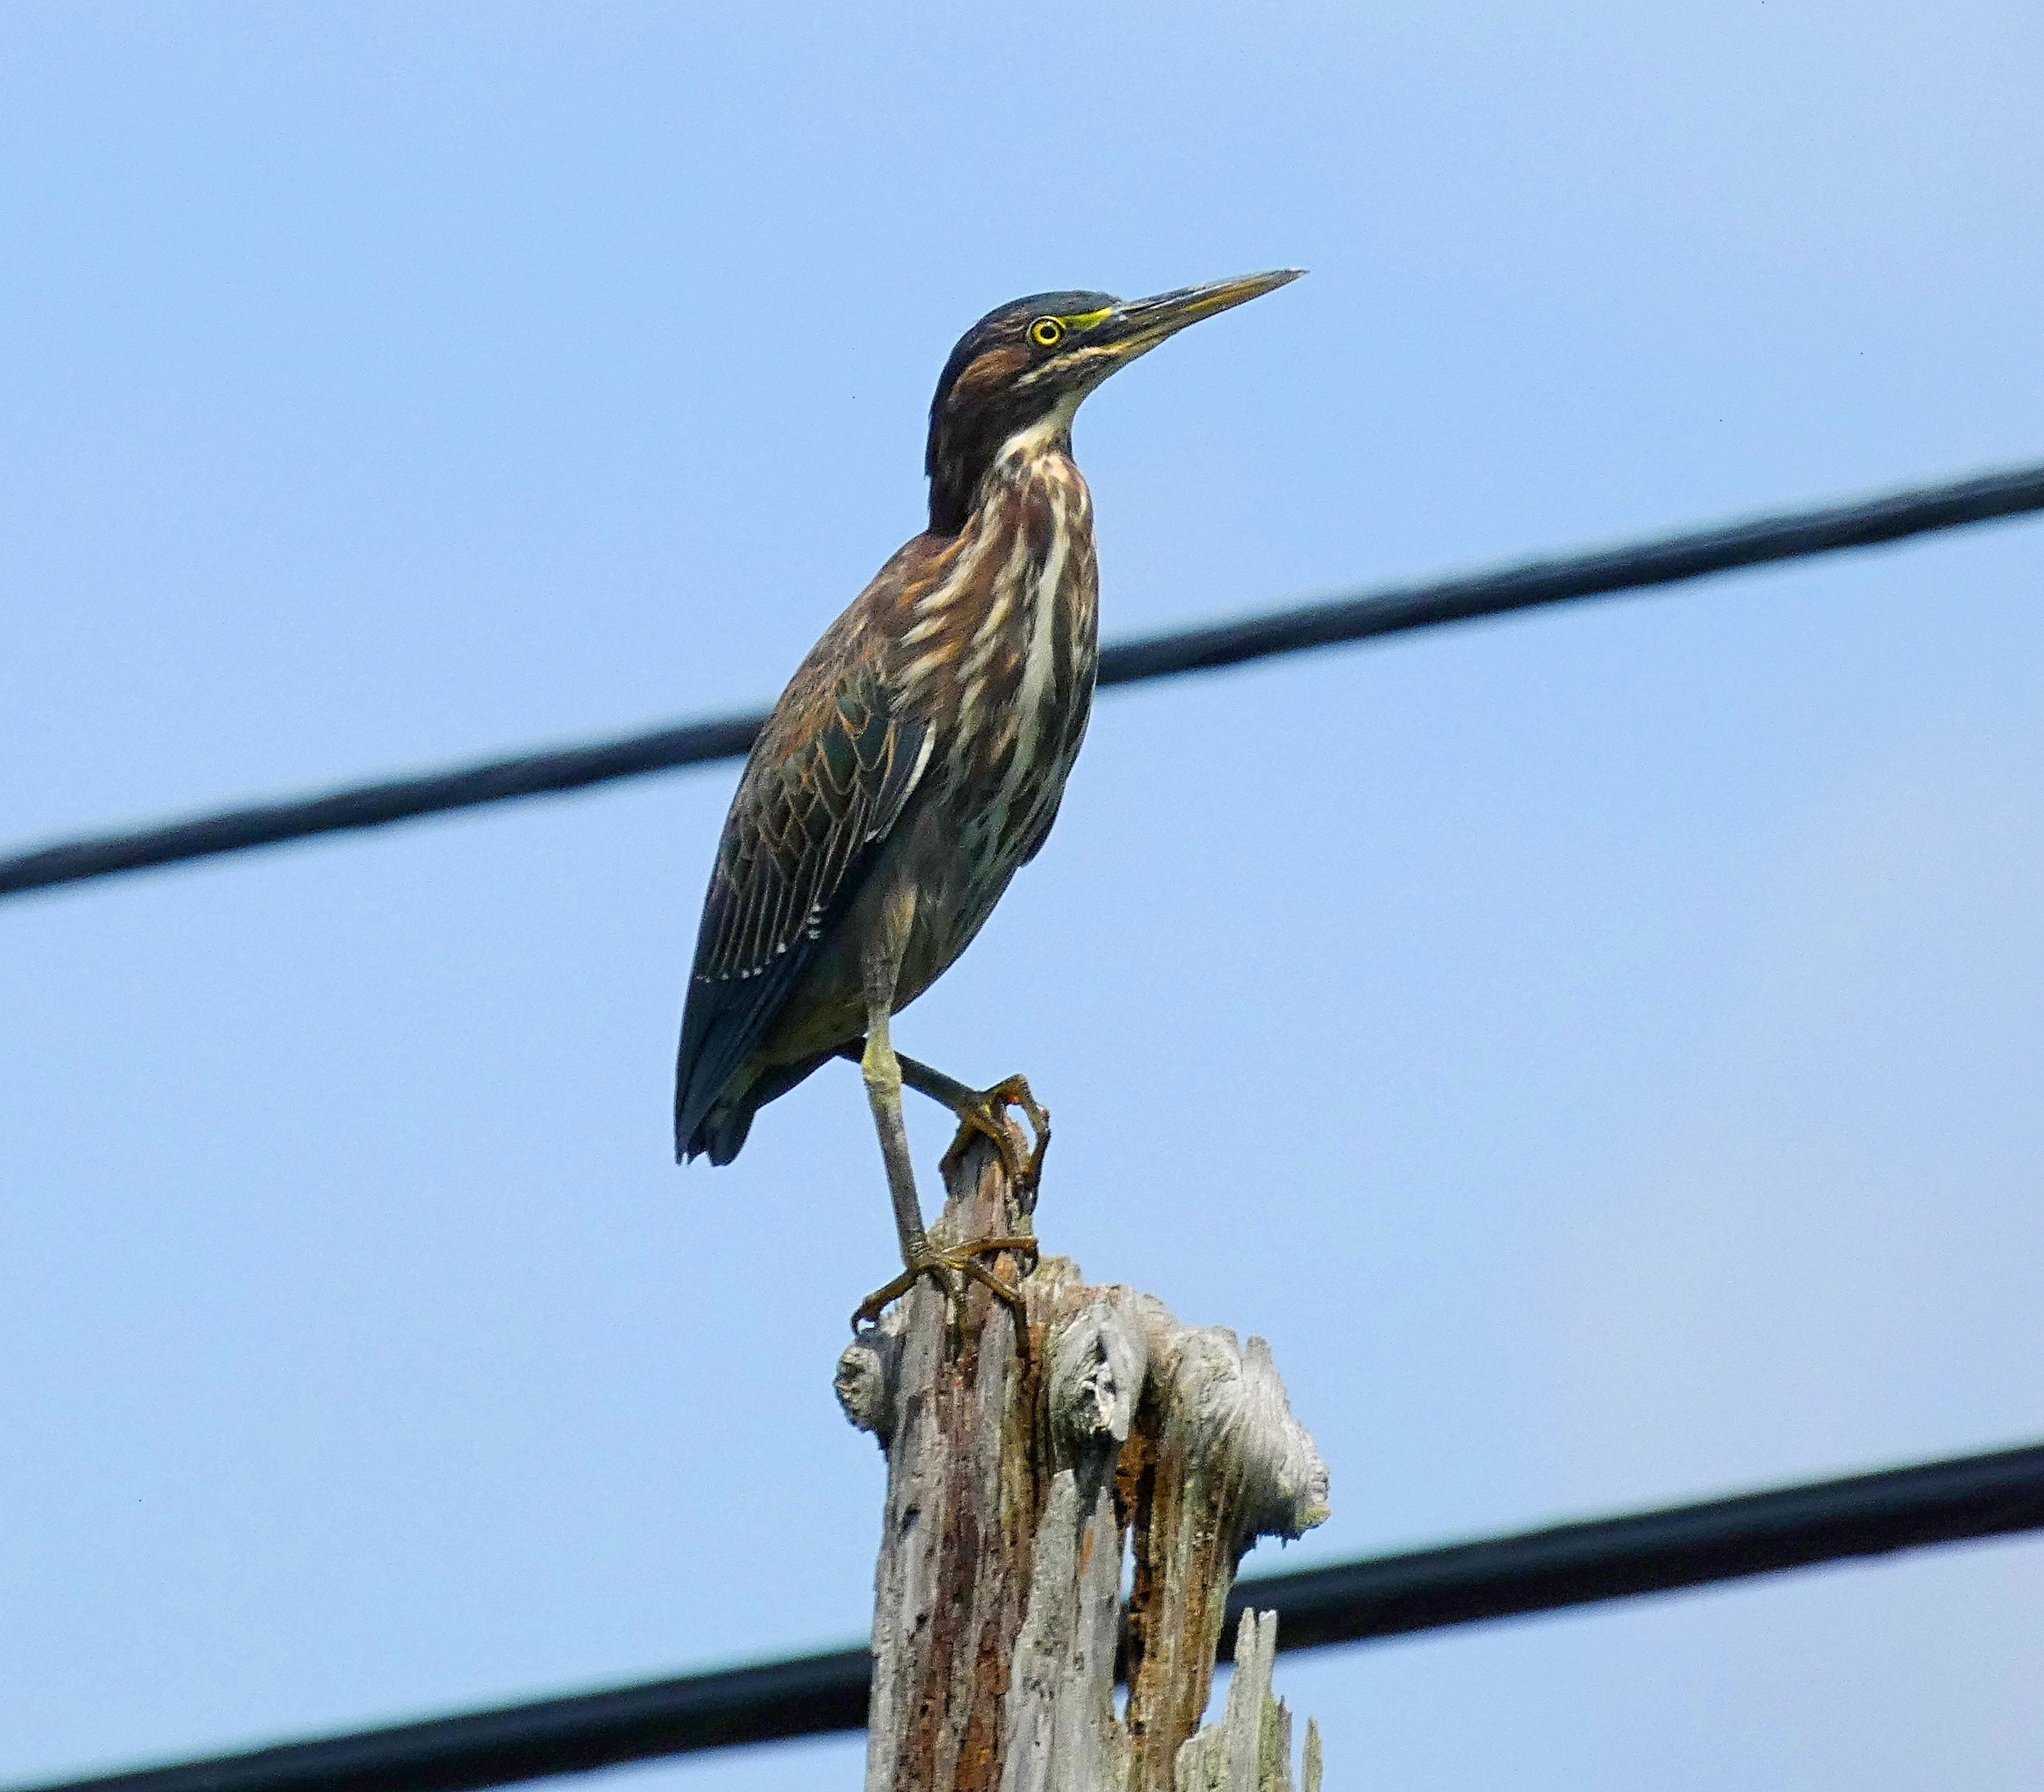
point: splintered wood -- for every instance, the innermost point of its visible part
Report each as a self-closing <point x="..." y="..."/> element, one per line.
<point x="1020" y="1473"/>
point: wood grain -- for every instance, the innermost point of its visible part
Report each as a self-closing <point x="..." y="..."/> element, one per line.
<point x="1025" y="1466"/>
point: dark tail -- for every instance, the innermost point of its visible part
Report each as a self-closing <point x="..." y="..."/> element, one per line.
<point x="721" y="1131"/>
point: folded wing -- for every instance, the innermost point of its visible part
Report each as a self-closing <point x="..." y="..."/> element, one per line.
<point x="826" y="781"/>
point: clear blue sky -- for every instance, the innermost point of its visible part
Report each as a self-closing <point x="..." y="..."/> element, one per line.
<point x="1599" y="1050"/>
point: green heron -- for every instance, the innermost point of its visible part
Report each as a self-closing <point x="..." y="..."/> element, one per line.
<point x="915" y="761"/>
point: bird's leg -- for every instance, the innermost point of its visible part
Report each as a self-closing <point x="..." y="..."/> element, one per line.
<point x="882" y="1072"/>
<point x="982" y="1113"/>
<point x="883" y="1078"/>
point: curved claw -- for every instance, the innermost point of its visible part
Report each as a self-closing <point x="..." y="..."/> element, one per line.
<point x="985" y="1115"/>
<point x="945" y="1264"/>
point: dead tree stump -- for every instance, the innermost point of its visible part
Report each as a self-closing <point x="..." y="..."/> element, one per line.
<point x="1021" y="1471"/>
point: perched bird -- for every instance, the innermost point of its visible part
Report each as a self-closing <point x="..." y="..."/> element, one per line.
<point x="915" y="761"/>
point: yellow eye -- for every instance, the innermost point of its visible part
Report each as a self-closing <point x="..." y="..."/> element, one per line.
<point x="1047" y="333"/>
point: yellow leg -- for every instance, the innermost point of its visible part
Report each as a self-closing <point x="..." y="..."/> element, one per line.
<point x="942" y="1263"/>
<point x="885" y="1074"/>
<point x="983" y="1113"/>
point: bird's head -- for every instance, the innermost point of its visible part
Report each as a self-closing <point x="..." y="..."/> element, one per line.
<point x="1026" y="367"/>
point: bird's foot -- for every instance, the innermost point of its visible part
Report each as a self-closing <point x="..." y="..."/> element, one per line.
<point x="983" y="1114"/>
<point x="946" y="1264"/>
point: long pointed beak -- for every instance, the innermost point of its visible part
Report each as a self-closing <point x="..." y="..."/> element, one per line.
<point x="1139" y="325"/>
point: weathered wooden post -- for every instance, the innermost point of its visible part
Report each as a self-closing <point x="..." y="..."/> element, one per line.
<point x="1019" y="1473"/>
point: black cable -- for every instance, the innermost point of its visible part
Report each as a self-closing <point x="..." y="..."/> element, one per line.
<point x="371" y="805"/>
<point x="1390" y="611"/>
<point x="1968" y="1497"/>
<point x="1541" y="1570"/>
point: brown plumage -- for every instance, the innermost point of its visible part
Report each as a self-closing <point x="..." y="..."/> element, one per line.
<point x="917" y="758"/>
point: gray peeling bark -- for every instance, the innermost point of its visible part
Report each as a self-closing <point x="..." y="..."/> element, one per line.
<point x="1020" y="1470"/>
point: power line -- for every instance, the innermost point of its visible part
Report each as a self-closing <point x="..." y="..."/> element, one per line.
<point x="1990" y="1495"/>
<point x="1641" y="566"/>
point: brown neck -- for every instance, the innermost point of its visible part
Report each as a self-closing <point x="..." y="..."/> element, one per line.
<point x="964" y="450"/>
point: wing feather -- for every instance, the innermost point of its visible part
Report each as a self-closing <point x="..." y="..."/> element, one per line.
<point x="825" y="782"/>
